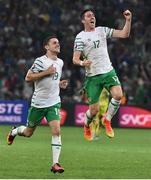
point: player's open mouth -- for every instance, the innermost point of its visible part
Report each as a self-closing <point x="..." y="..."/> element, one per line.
<point x="92" y="22"/>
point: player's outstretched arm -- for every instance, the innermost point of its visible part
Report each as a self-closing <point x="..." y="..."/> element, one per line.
<point x="125" y="32"/>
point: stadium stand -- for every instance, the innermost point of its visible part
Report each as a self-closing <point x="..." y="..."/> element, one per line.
<point x="24" y="24"/>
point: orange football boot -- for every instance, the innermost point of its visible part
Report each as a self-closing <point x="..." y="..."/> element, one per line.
<point x="88" y="133"/>
<point x="108" y="129"/>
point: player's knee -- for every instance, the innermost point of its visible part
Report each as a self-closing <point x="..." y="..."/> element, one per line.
<point x="118" y="96"/>
<point x="116" y="92"/>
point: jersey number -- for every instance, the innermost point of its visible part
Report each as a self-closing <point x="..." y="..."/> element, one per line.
<point x="55" y="76"/>
<point x="96" y="44"/>
<point x="56" y="111"/>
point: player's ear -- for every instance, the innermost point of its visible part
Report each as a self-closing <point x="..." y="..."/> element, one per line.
<point x="46" y="47"/>
<point x="82" y="21"/>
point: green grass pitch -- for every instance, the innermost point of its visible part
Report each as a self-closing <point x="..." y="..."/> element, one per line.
<point x="126" y="156"/>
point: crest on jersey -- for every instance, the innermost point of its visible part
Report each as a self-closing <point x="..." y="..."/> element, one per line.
<point x="89" y="39"/>
<point x="33" y="66"/>
<point x="75" y="46"/>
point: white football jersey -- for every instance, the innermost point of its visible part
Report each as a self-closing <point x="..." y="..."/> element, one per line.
<point x="47" y="88"/>
<point x="93" y="46"/>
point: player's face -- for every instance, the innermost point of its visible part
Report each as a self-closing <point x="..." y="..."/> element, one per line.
<point x="89" y="20"/>
<point x="53" y="45"/>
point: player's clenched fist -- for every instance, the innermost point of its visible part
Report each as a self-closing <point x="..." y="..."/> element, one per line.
<point x="127" y="14"/>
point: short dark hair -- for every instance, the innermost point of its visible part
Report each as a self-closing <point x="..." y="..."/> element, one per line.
<point x="84" y="11"/>
<point x="46" y="40"/>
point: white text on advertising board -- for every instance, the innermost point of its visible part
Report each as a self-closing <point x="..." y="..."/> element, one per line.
<point x="11" y="108"/>
<point x="140" y="119"/>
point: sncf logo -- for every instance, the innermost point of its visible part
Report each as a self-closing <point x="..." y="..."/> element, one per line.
<point x="134" y="117"/>
<point x="135" y="120"/>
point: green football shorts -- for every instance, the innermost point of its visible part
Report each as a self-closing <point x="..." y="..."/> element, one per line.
<point x="35" y="115"/>
<point x="94" y="85"/>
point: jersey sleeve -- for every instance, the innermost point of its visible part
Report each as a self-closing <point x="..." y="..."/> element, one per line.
<point x="78" y="44"/>
<point x="37" y="66"/>
<point x="108" y="31"/>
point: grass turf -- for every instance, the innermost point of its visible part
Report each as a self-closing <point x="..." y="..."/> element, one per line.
<point x="126" y="156"/>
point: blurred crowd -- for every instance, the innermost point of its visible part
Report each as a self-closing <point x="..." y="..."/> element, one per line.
<point x="25" y="23"/>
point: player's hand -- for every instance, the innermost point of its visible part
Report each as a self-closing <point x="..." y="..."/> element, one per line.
<point x="63" y="84"/>
<point x="127" y="14"/>
<point x="87" y="63"/>
<point x="51" y="70"/>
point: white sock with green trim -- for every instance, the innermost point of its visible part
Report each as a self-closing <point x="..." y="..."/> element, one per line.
<point x="19" y="130"/>
<point x="56" y="148"/>
<point x="88" y="118"/>
<point x="112" y="109"/>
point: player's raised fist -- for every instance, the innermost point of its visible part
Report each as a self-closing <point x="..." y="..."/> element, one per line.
<point x="127" y="14"/>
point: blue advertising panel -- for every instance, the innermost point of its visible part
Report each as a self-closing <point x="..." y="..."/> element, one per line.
<point x="13" y="112"/>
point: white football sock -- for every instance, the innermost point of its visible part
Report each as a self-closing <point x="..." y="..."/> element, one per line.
<point x="88" y="118"/>
<point x="19" y="130"/>
<point x="56" y="148"/>
<point x="112" y="109"/>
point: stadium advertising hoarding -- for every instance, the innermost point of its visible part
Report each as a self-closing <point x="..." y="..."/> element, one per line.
<point x="131" y="116"/>
<point x="79" y="115"/>
<point x="80" y="110"/>
<point x="13" y="112"/>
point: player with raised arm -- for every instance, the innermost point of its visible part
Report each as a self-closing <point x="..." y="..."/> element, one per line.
<point x="92" y="44"/>
<point x="45" y="73"/>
